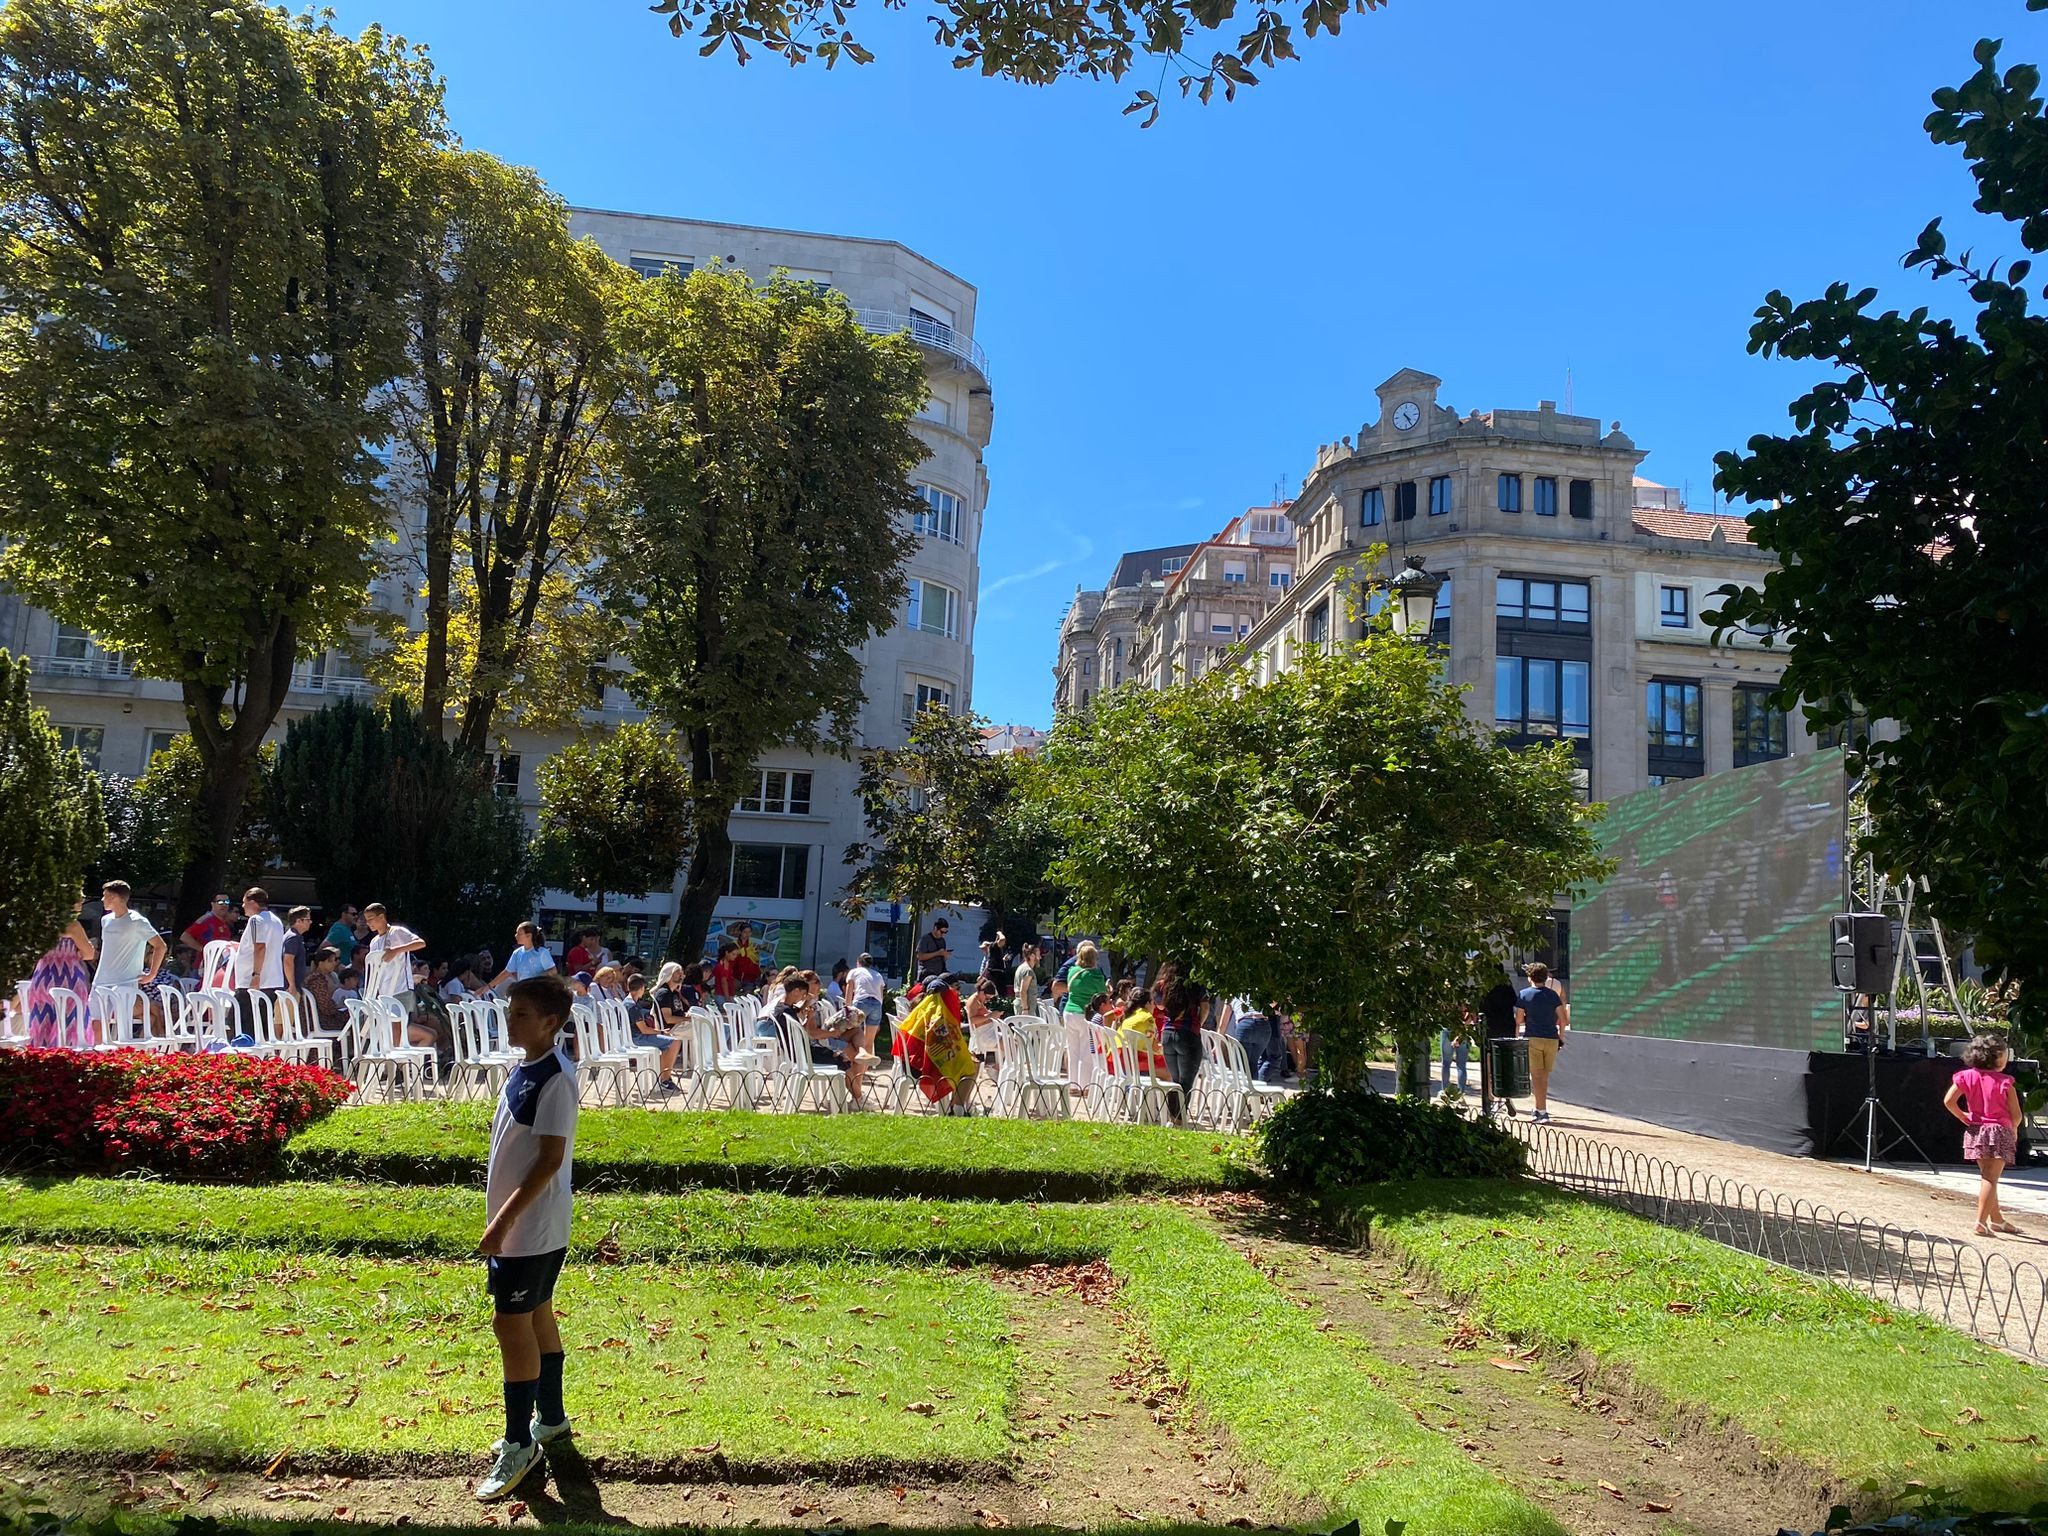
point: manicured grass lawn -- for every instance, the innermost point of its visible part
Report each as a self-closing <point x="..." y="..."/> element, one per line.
<point x="1824" y="1373"/>
<point x="233" y="1357"/>
<point x="878" y="1155"/>
<point x="443" y="1221"/>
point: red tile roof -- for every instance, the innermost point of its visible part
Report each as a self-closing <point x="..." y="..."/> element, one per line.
<point x="1664" y="523"/>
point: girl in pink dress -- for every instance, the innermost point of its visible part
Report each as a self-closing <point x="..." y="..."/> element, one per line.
<point x="1984" y="1097"/>
<point x="63" y="966"/>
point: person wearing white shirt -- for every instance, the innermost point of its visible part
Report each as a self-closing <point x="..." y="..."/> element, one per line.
<point x="259" y="956"/>
<point x="389" y="972"/>
<point x="864" y="991"/>
<point x="131" y="950"/>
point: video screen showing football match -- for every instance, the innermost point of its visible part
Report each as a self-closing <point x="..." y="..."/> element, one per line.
<point x="1714" y="925"/>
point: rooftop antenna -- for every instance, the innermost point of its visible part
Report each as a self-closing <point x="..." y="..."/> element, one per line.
<point x="1568" y="391"/>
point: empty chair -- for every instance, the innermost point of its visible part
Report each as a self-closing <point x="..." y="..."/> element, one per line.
<point x="125" y="1018"/>
<point x="718" y="1071"/>
<point x="1031" y="1074"/>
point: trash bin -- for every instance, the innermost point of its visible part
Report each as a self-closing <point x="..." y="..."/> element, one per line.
<point x="1510" y="1062"/>
<point x="1411" y="1073"/>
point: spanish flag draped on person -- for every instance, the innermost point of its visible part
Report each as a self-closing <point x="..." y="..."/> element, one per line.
<point x="931" y="1044"/>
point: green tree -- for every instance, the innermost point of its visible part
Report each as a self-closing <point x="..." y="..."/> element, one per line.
<point x="52" y="830"/>
<point x="504" y="428"/>
<point x="766" y="462"/>
<point x="168" y="797"/>
<point x="209" y="211"/>
<point x="614" y="813"/>
<point x="1341" y="839"/>
<point x="375" y="808"/>
<point x="949" y="825"/>
<point x="142" y="846"/>
<point x="1037" y="42"/>
<point x="1905" y="509"/>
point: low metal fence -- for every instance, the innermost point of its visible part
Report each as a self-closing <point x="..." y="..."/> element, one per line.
<point x="1986" y="1294"/>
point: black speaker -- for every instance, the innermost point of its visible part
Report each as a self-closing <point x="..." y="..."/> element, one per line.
<point x="1862" y="952"/>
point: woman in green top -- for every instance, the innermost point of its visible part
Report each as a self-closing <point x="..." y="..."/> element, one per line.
<point x="1085" y="983"/>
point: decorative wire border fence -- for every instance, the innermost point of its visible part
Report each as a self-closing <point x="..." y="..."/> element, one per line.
<point x="1987" y="1295"/>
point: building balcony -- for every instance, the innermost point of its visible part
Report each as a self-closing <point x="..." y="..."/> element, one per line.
<point x="304" y="681"/>
<point x="935" y="334"/>
<point x="95" y="664"/>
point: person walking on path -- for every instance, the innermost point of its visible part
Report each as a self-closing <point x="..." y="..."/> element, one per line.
<point x="528" y="1204"/>
<point x="1986" y="1099"/>
<point x="529" y="958"/>
<point x="1497" y="1017"/>
<point x="1544" y="1018"/>
<point x="1454" y="1045"/>
<point x="1085" y="983"/>
<point x="61" y="968"/>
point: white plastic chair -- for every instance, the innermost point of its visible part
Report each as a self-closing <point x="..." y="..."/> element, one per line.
<point x="615" y="1027"/>
<point x="289" y="1036"/>
<point x="595" y="1067"/>
<point x="407" y="1070"/>
<point x="477" y="1064"/>
<point x="800" y="1078"/>
<point x="718" y="1069"/>
<point x="1031" y="1071"/>
<point x="217" y="965"/>
<point x="124" y="1012"/>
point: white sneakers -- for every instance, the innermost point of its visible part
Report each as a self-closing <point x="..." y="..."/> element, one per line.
<point x="544" y="1434"/>
<point x="513" y="1462"/>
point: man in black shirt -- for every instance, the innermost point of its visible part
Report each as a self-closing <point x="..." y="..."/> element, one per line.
<point x="1497" y="1011"/>
<point x="933" y="952"/>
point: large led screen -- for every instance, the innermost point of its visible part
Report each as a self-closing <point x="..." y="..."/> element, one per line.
<point x="1715" y="923"/>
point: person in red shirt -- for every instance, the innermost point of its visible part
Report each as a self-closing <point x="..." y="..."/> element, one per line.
<point x="583" y="956"/>
<point x="214" y="925"/>
<point x="746" y="957"/>
<point x="723" y="982"/>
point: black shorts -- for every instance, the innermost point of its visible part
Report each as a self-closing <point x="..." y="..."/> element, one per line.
<point x="521" y="1284"/>
<point x="827" y="1053"/>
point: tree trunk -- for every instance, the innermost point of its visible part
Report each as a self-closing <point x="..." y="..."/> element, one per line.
<point x="440" y="568"/>
<point x="709" y="861"/>
<point x="221" y="794"/>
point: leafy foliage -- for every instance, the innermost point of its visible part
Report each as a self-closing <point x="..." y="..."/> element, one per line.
<point x="504" y="437"/>
<point x="168" y="797"/>
<point x="949" y="824"/>
<point x="1938" y="1514"/>
<point x="1036" y="43"/>
<point x="1335" y="1138"/>
<point x="52" y="829"/>
<point x="376" y="809"/>
<point x="614" y="813"/>
<point x="1905" y="509"/>
<point x="1342" y="840"/>
<point x="142" y="846"/>
<point x="765" y="488"/>
<point x="207" y="213"/>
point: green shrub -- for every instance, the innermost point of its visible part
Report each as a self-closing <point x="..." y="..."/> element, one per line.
<point x="1333" y="1138"/>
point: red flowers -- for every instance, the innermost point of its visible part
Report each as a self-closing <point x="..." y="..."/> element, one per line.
<point x="221" y="1116"/>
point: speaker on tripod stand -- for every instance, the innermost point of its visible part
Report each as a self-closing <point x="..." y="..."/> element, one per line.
<point x="1864" y="957"/>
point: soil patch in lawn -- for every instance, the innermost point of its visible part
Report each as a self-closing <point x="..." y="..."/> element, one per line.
<point x="1602" y="1458"/>
<point x="1101" y="1439"/>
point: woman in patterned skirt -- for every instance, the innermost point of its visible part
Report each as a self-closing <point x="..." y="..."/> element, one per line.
<point x="63" y="966"/>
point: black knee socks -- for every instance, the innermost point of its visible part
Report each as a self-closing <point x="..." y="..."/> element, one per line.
<point x="519" y="1397"/>
<point x="550" y="1384"/>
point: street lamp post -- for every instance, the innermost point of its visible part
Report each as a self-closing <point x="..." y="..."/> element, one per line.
<point x="1414" y="592"/>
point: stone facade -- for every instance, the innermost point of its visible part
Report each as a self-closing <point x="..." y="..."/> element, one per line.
<point x="123" y="719"/>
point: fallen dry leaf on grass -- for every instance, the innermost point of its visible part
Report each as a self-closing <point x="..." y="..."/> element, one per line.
<point x="271" y="1470"/>
<point x="1609" y="1488"/>
<point x="1507" y="1365"/>
<point x="1969" y="1416"/>
<point x="1652" y="1507"/>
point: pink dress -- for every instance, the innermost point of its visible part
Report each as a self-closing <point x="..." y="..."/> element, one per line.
<point x="1989" y="1132"/>
<point x="62" y="967"/>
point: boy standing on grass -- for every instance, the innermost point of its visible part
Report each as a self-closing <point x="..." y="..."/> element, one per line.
<point x="527" y="1235"/>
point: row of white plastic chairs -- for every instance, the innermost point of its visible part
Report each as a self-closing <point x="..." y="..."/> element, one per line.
<point x="213" y="1019"/>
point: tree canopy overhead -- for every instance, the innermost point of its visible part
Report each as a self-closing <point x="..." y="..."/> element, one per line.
<point x="1037" y="41"/>
<point x="53" y="828"/>
<point x="1343" y="840"/>
<point x="766" y="467"/>
<point x="209" y="215"/>
<point x="614" y="813"/>
<point x="1905" y="507"/>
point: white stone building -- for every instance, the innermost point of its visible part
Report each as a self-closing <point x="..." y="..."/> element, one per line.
<point x="789" y="837"/>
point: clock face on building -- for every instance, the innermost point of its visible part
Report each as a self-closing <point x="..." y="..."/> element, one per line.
<point x="1406" y="415"/>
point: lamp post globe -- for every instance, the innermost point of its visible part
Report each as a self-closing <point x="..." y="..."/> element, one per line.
<point x="1414" y="592"/>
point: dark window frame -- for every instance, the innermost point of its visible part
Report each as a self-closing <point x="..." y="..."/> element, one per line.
<point x="1443" y="500"/>
<point x="1507" y="493"/>
<point x="1545" y="498"/>
<point x="1761" y="733"/>
<point x="1404" y="502"/>
<point x="1372" y="507"/>
<point x="1581" y="494"/>
<point x="1670" y="616"/>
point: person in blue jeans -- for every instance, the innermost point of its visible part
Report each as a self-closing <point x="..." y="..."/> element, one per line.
<point x="1455" y="1046"/>
<point x="1264" y="1042"/>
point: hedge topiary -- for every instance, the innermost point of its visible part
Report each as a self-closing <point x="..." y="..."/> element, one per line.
<point x="1331" y="1138"/>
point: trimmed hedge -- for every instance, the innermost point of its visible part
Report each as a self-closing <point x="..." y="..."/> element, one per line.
<point x="225" y="1116"/>
<point x="880" y="1156"/>
<point x="1339" y="1138"/>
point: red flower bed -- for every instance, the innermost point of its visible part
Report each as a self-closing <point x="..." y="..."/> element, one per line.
<point x="219" y="1116"/>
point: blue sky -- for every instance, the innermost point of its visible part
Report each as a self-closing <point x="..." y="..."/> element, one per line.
<point x="1495" y="191"/>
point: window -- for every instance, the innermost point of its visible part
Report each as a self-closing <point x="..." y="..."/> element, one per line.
<point x="1404" y="501"/>
<point x="86" y="740"/>
<point x="1582" y="499"/>
<point x="1508" y="493"/>
<point x="1280" y="578"/>
<point x="1234" y="572"/>
<point x="931" y="329"/>
<point x="505" y="776"/>
<point x="1439" y="495"/>
<point x="71" y="644"/>
<point x="1546" y="496"/>
<point x="939" y="517"/>
<point x="1538" y="696"/>
<point x="1372" y="508"/>
<point x="1674" y="607"/>
<point x="1677" y="744"/>
<point x="937" y="409"/>
<point x="769" y="871"/>
<point x="1530" y="602"/>
<point x="920" y="694"/>
<point x="596" y="681"/>
<point x="779" y="792"/>
<point x="1759" y="729"/>
<point x="661" y="266"/>
<point x="1318" y="632"/>
<point x="1268" y="522"/>
<point x="157" y="741"/>
<point x="1171" y="564"/>
<point x="1440" y="618"/>
<point x="935" y="609"/>
<point x="1221" y="624"/>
